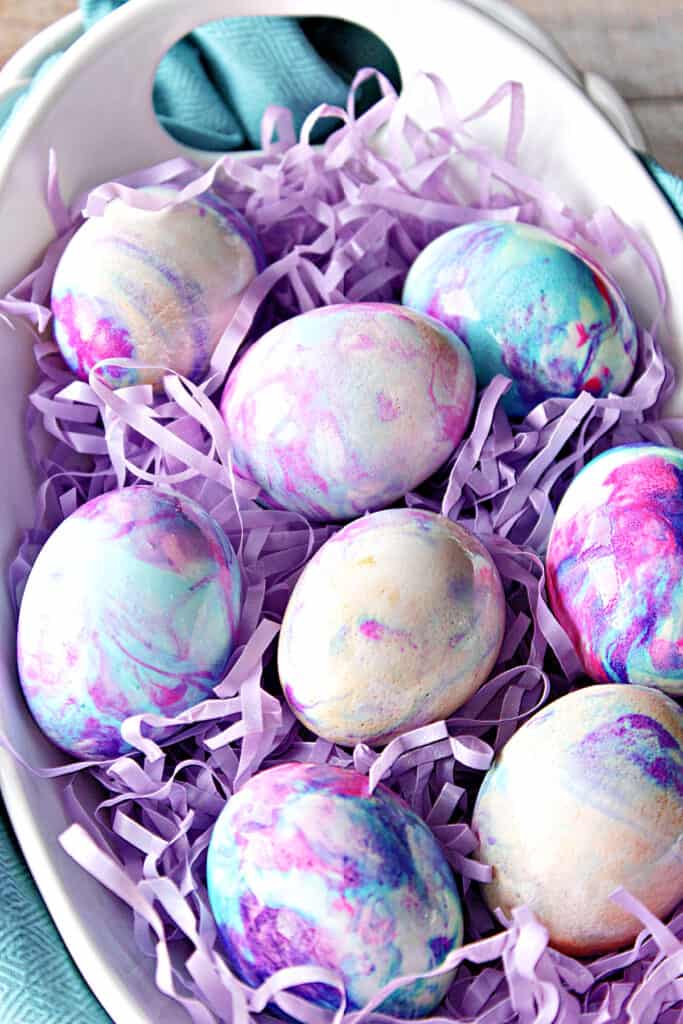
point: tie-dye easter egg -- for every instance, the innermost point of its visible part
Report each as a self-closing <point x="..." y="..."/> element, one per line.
<point x="394" y="623"/>
<point x="585" y="798"/>
<point x="132" y="606"/>
<point x="345" y="409"/>
<point x="158" y="287"/>
<point x="306" y="867"/>
<point x="615" y="566"/>
<point x="529" y="306"/>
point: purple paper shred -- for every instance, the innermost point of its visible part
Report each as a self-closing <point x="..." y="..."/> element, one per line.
<point x="341" y="223"/>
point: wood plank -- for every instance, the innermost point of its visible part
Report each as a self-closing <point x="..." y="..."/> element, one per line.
<point x="662" y="122"/>
<point x="639" y="53"/>
<point x="21" y="19"/>
<point x="587" y="10"/>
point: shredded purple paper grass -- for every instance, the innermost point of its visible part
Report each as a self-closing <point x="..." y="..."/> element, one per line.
<point x="341" y="223"/>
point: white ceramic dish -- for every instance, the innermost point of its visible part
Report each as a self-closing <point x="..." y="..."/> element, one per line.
<point x="568" y="142"/>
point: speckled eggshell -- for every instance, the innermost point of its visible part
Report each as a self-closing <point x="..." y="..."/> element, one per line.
<point x="393" y="624"/>
<point x="347" y="408"/>
<point x="132" y="606"/>
<point x="587" y="797"/>
<point x="306" y="868"/>
<point x="155" y="286"/>
<point x="615" y="566"/>
<point x="529" y="306"/>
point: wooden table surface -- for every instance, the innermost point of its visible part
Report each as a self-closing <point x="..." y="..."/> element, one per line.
<point x="637" y="44"/>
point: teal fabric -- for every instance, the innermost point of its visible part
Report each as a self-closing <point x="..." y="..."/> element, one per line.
<point x="39" y="982"/>
<point x="210" y="92"/>
<point x="671" y="186"/>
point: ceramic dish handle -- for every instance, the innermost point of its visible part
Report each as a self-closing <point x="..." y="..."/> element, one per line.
<point x="118" y="57"/>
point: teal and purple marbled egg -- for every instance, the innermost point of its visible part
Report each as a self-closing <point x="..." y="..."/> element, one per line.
<point x="529" y="306"/>
<point x="158" y="287"/>
<point x="345" y="409"/>
<point x="585" y="798"/>
<point x="394" y="623"/>
<point x="615" y="566"/>
<point x="132" y="606"/>
<point x="306" y="868"/>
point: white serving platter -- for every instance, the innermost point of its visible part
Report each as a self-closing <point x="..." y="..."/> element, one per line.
<point x="96" y="110"/>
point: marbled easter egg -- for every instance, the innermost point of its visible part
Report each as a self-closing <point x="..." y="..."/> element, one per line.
<point x="346" y="408"/>
<point x="529" y="306"/>
<point x="615" y="566"/>
<point x="158" y="287"/>
<point x="585" y="798"/>
<point x="132" y="606"/>
<point x="305" y="867"/>
<point x="393" y="624"/>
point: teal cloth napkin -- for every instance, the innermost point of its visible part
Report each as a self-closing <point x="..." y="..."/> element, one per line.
<point x="210" y="92"/>
<point x="671" y="186"/>
<point x="39" y="982"/>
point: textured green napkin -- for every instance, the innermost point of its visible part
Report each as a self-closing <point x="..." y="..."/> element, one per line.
<point x="210" y="92"/>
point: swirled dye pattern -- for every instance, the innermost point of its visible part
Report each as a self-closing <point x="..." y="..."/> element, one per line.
<point x="587" y="797"/>
<point x="155" y="286"/>
<point x="394" y="623"/>
<point x="131" y="607"/>
<point x="529" y="306"/>
<point x="615" y="566"/>
<point x="305" y="867"/>
<point x="346" y="408"/>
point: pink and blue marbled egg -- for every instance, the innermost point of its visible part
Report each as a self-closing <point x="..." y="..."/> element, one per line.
<point x="132" y="606"/>
<point x="394" y="623"/>
<point x="306" y="868"/>
<point x="585" y="798"/>
<point x="344" y="409"/>
<point x="615" y="566"/>
<point x="158" y="287"/>
<point x="529" y="306"/>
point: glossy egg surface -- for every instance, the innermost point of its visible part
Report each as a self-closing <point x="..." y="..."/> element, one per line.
<point x="132" y="606"/>
<point x="529" y="306"/>
<point x="158" y="287"/>
<point x="306" y="867"/>
<point x="346" y="408"/>
<point x="394" y="623"/>
<point x="615" y="566"/>
<point x="585" y="798"/>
